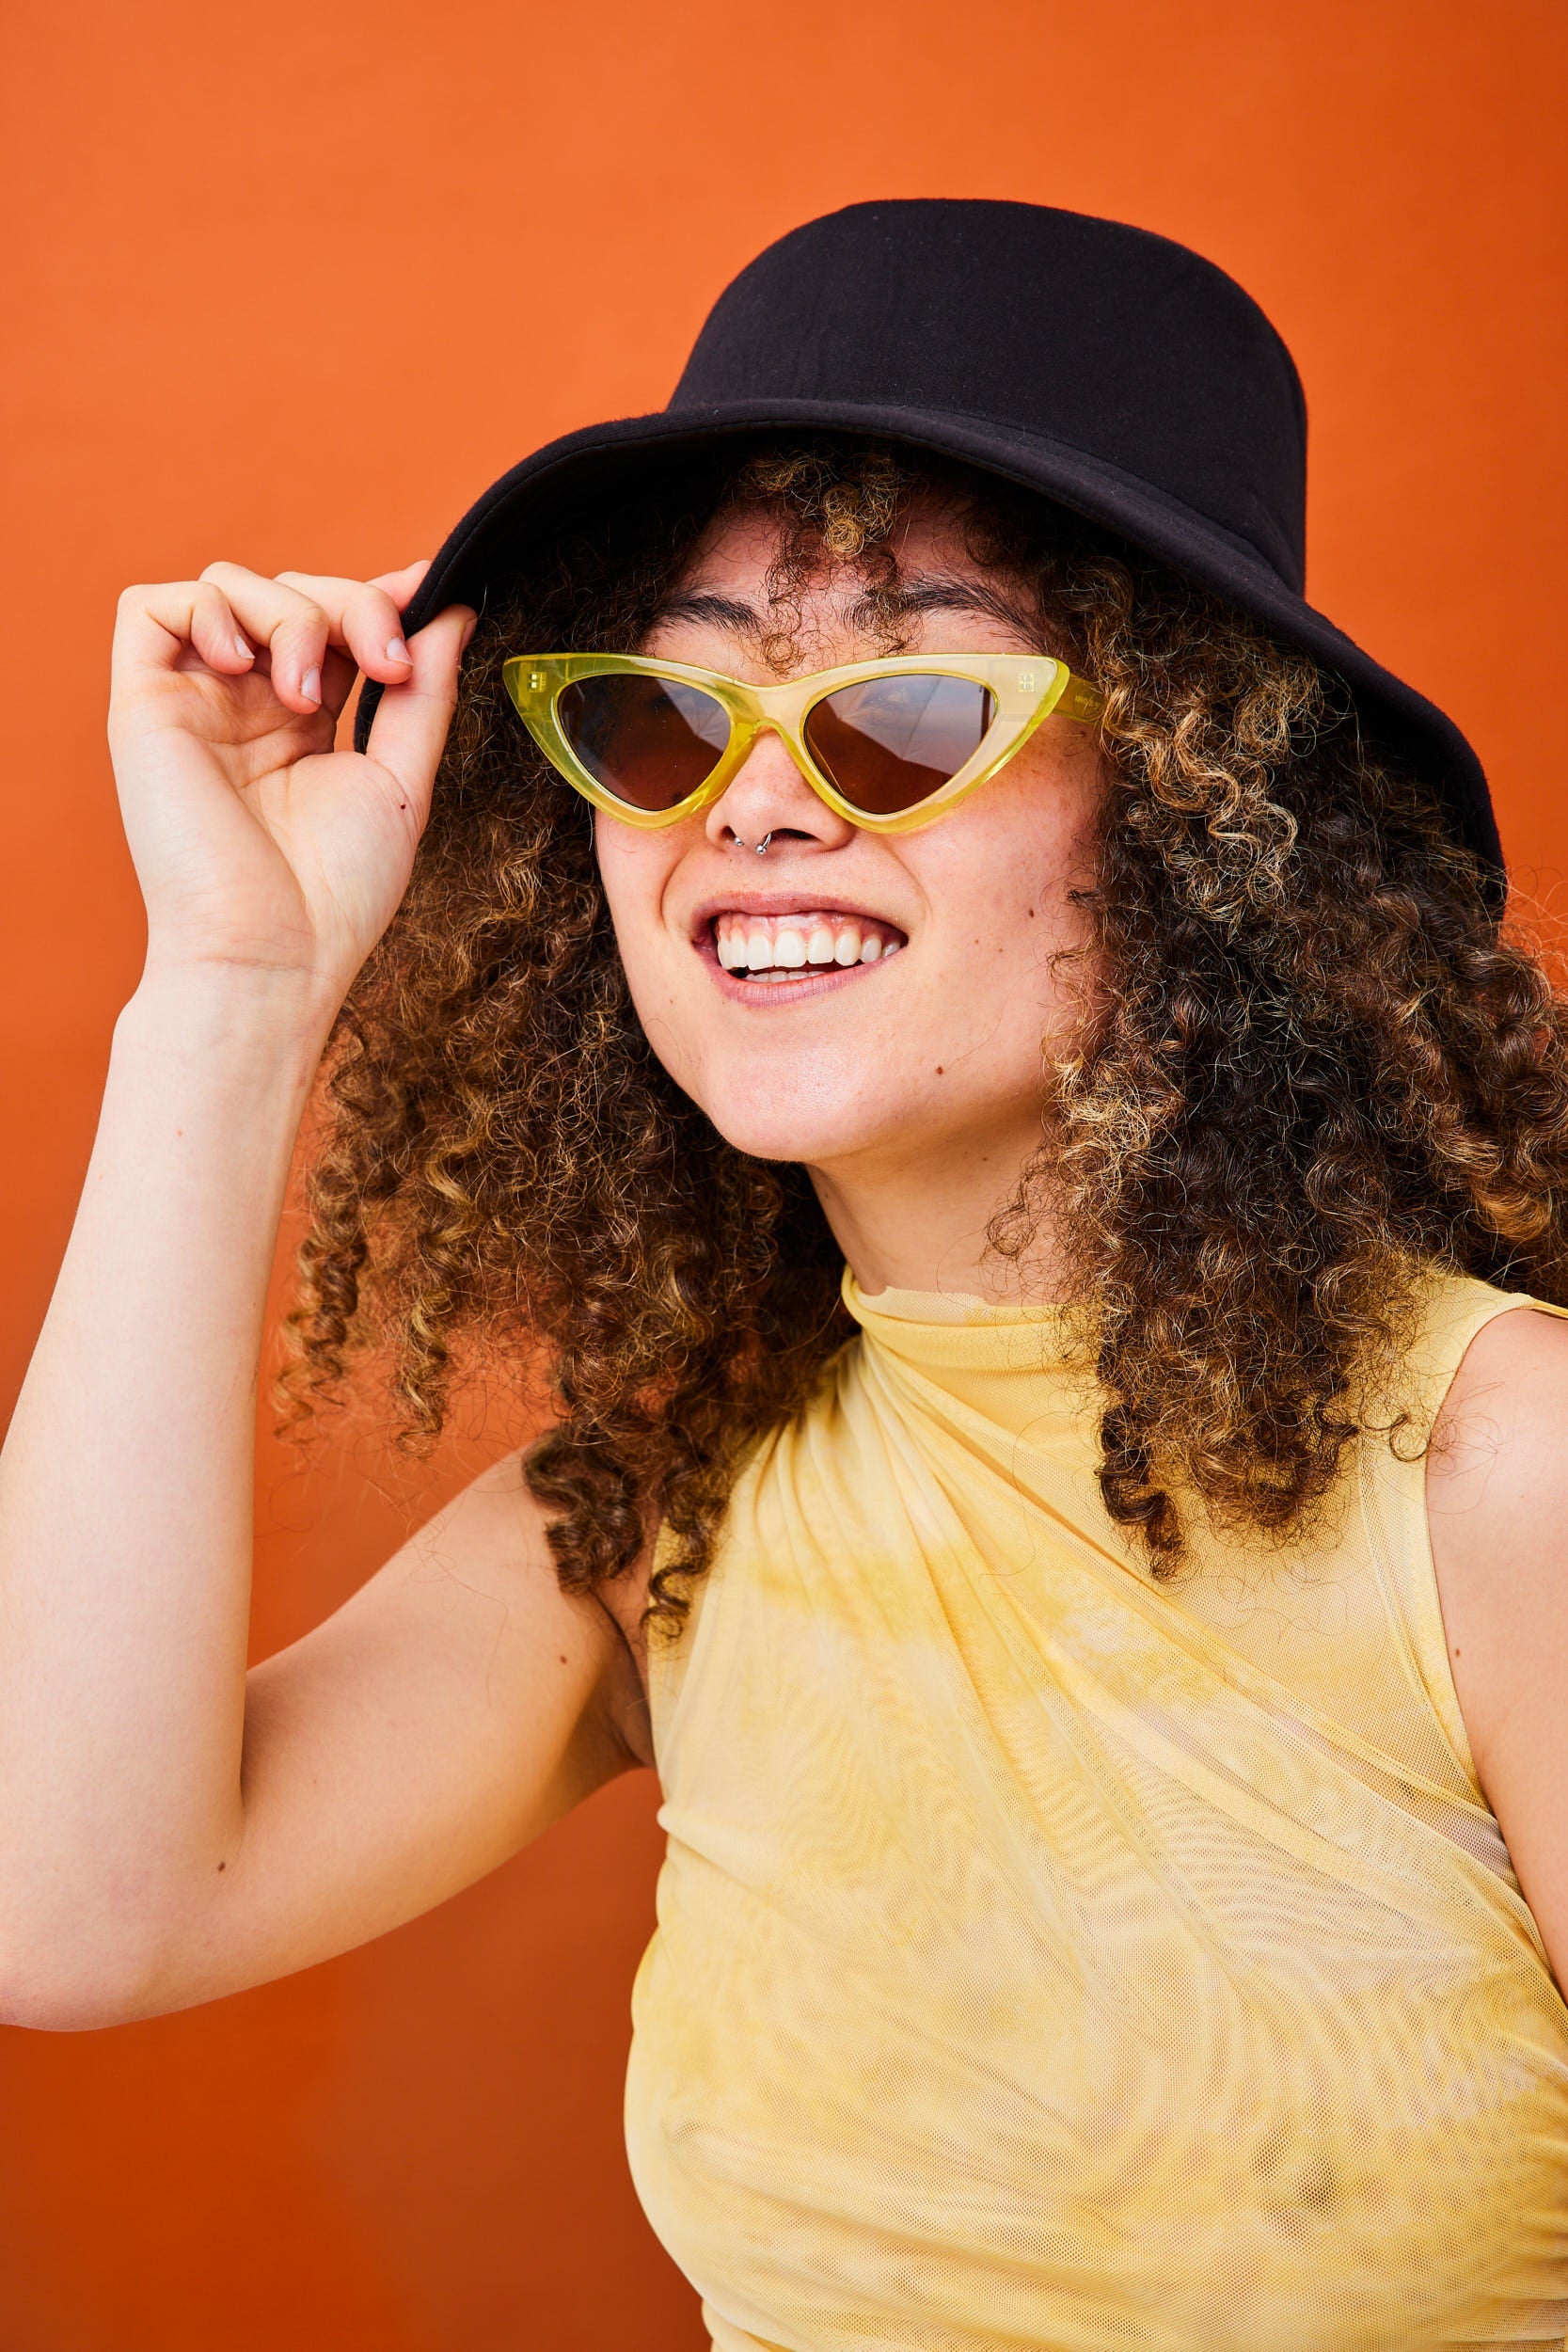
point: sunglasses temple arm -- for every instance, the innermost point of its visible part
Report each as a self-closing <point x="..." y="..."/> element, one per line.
<point x="1081" y="701"/>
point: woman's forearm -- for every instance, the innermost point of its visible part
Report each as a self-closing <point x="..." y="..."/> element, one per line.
<point x="126" y="1487"/>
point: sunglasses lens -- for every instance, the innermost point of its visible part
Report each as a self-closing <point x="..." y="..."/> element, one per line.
<point x="650" y="741"/>
<point x="889" y="743"/>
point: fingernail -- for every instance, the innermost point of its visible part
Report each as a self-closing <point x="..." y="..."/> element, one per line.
<point x="311" y="686"/>
<point x="398" y="651"/>
<point x="247" y="652"/>
<point x="467" y="636"/>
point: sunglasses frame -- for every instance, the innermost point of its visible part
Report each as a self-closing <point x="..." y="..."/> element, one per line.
<point x="1027" y="689"/>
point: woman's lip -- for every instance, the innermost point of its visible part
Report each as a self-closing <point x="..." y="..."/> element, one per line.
<point x="811" y="980"/>
<point x="766" y="902"/>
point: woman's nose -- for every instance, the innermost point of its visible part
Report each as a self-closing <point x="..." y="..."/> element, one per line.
<point x="767" y="795"/>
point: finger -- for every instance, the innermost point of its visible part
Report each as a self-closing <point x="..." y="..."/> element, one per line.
<point x="157" y="621"/>
<point x="216" y="634"/>
<point x="363" y="619"/>
<point x="411" y="721"/>
<point x="293" y="628"/>
<point x="340" y="676"/>
<point x="401" y="586"/>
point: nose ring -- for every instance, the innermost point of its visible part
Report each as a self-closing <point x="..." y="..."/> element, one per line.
<point x="760" y="847"/>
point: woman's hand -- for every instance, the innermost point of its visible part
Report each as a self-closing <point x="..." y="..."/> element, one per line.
<point x="257" y="847"/>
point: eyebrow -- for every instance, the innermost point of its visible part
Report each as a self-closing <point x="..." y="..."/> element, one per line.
<point x="941" y="592"/>
<point x="936" y="592"/>
<point x="726" y="612"/>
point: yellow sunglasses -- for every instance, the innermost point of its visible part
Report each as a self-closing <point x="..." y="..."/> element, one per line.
<point x="888" y="744"/>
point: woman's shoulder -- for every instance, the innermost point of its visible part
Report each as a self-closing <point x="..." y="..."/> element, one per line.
<point x="1494" y="1364"/>
<point x="1496" y="1463"/>
<point x="1496" y="1489"/>
<point x="1491" y="1363"/>
<point x="1450" y="1314"/>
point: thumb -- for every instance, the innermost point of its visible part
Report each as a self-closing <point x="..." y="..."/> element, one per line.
<point x="411" y="721"/>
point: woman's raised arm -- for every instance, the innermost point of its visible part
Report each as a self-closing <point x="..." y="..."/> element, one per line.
<point x="163" y="1838"/>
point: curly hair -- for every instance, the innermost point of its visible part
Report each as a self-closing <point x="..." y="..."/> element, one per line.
<point x="1308" y="1068"/>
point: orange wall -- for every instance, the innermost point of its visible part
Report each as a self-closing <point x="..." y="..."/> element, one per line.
<point x="291" y="285"/>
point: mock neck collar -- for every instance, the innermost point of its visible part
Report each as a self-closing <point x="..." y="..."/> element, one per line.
<point x="1020" y="1366"/>
<point x="947" y="1310"/>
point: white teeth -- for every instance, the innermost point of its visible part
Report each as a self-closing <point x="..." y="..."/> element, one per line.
<point x="776" y="948"/>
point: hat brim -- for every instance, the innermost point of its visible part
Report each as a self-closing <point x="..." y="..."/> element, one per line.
<point x="491" y="540"/>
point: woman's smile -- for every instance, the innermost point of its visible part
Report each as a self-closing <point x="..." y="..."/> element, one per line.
<point x="781" y="947"/>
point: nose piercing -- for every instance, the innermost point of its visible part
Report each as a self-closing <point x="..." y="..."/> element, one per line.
<point x="760" y="847"/>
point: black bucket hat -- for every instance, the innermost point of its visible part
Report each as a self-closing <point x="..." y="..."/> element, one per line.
<point x="1114" y="371"/>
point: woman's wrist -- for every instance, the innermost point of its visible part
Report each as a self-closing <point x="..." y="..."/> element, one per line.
<point x="246" y="1017"/>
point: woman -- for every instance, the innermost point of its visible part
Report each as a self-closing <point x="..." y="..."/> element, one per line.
<point x="1101" y="1647"/>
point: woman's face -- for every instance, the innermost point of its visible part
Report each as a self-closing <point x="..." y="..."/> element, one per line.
<point x="932" y="1050"/>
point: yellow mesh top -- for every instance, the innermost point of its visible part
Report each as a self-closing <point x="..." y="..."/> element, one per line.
<point x="1049" y="1957"/>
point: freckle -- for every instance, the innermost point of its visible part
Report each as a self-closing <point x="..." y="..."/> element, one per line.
<point x="563" y="1657"/>
<point x="223" y="1866"/>
<point x="938" y="1070"/>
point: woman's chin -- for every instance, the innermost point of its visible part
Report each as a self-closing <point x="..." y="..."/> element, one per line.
<point x="780" y="1139"/>
<point x="814" y="1132"/>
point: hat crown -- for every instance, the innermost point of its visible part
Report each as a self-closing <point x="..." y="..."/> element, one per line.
<point x="1053" y="325"/>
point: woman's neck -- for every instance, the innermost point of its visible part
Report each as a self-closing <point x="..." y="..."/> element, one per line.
<point x="921" y="1224"/>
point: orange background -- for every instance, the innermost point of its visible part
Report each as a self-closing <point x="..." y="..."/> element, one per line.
<point x="291" y="285"/>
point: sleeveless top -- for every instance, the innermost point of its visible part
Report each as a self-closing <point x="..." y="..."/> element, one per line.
<point x="1051" y="1958"/>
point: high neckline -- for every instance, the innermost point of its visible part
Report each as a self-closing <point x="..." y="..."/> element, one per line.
<point x="948" y="1310"/>
<point x="1009" y="1361"/>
